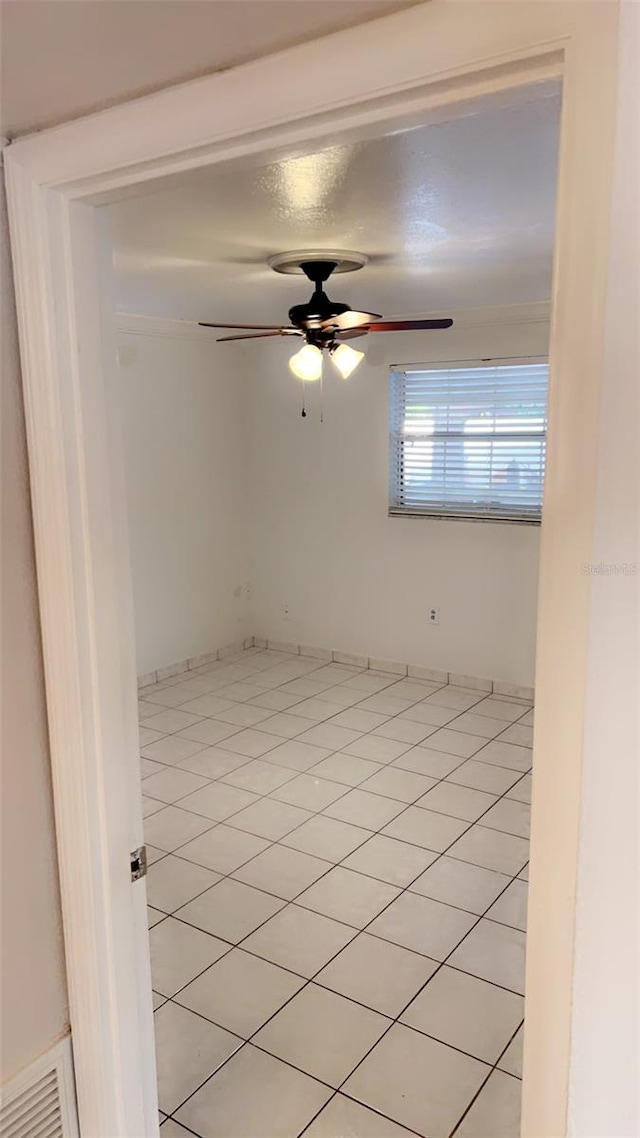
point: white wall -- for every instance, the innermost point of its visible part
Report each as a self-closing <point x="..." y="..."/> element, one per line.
<point x="184" y="428"/>
<point x="32" y="982"/>
<point x="320" y="538"/>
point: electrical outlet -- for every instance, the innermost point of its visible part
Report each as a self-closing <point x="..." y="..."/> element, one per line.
<point x="433" y="616"/>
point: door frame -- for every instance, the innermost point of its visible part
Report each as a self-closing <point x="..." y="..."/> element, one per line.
<point x="402" y="70"/>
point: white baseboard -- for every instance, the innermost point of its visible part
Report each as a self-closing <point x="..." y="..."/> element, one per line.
<point x="41" y="1099"/>
<point x="352" y="659"/>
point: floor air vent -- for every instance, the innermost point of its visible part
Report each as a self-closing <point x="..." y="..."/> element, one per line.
<point x="40" y="1101"/>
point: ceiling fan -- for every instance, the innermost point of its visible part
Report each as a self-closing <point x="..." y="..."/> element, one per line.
<point x="321" y="322"/>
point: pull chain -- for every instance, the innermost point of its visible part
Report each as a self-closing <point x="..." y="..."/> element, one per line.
<point x="321" y="398"/>
<point x="304" y="410"/>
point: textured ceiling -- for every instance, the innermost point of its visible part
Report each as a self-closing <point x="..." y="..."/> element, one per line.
<point x="64" y="58"/>
<point x="453" y="215"/>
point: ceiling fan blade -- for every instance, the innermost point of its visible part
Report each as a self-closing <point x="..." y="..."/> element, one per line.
<point x="258" y="335"/>
<point x="350" y="319"/>
<point x="261" y="327"/>
<point x="407" y="325"/>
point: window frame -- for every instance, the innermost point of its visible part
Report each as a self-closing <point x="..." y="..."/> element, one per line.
<point x="445" y="514"/>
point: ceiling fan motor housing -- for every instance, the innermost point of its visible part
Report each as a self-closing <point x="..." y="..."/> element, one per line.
<point x="319" y="308"/>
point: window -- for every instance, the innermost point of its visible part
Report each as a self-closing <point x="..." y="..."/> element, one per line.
<point x="468" y="440"/>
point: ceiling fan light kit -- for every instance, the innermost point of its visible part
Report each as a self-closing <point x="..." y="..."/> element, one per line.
<point x="322" y="322"/>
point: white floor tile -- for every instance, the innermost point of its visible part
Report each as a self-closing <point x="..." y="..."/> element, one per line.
<point x="171" y="784"/>
<point x="171" y="749"/>
<point x="300" y="940"/>
<point x="243" y="715"/>
<point x="511" y="907"/>
<point x="270" y="819"/>
<point x="496" y="1111"/>
<point x="230" y="910"/>
<point x="404" y="731"/>
<point x="404" y="786"/>
<point x="342" y="1116"/>
<point x="465" y="1012"/>
<point x="297" y="756"/>
<point x="179" y="953"/>
<point x="208" y="705"/>
<point x="154" y="916"/>
<point x="240" y="992"/>
<point x="148" y="735"/>
<point x="240" y="691"/>
<point x="213" y="762"/>
<point x="252" y="743"/>
<point x="521" y="791"/>
<point x="422" y="760"/>
<point x="282" y="871"/>
<point x="430" y="714"/>
<point x="347" y="896"/>
<point x="223" y="848"/>
<point x="258" y="777"/>
<point x="315" y="710"/>
<point x="423" y="925"/>
<point x="506" y="755"/>
<point x="358" y="720"/>
<point x="170" y="721"/>
<point x="386" y="704"/>
<point x="497" y="708"/>
<point x="326" y="735"/>
<point x="188" y="1051"/>
<point x="511" y="1061"/>
<point x="309" y="792"/>
<point x="483" y="776"/>
<point x="172" y="827"/>
<point x="417" y="1081"/>
<point x="249" y="1089"/>
<point x="326" y="838"/>
<point x="172" y="882"/>
<point x="457" y="801"/>
<point x="492" y="849"/>
<point x="275" y="700"/>
<point x="376" y="748"/>
<point x="171" y="1129"/>
<point x="209" y="731"/>
<point x="377" y="973"/>
<point x="389" y="860"/>
<point x="518" y="733"/>
<point x="218" y="801"/>
<point x="453" y="742"/>
<point x="509" y="816"/>
<point x="480" y="725"/>
<point x="460" y="884"/>
<point x="425" y="828"/>
<point x="461" y="699"/>
<point x="322" y="1033"/>
<point x="286" y="725"/>
<point x="150" y="806"/>
<point x="346" y="769"/>
<point x="493" y="952"/>
<point x="362" y="809"/>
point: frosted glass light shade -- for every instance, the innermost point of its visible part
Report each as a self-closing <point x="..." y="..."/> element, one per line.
<point x="307" y="363"/>
<point x="346" y="359"/>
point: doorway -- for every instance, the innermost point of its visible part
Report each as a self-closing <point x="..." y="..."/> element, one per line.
<point x="89" y="667"/>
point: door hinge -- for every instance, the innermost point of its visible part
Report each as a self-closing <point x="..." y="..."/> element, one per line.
<point x="138" y="863"/>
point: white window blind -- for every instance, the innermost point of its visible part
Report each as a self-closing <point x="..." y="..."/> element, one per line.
<point x="468" y="440"/>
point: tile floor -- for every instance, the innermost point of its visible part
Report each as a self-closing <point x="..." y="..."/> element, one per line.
<point x="337" y="901"/>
